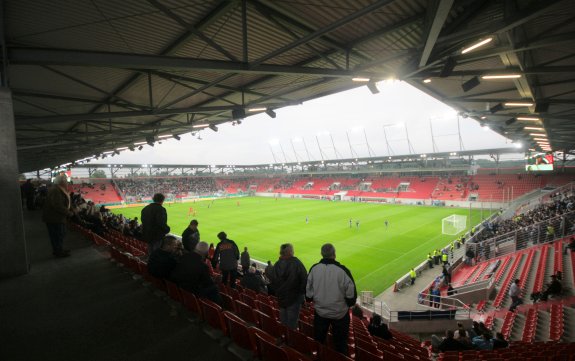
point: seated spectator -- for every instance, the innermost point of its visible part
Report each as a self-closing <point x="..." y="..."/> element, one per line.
<point x="448" y="343"/>
<point x="192" y="274"/>
<point x="482" y="342"/>
<point x="357" y="312"/>
<point x="463" y="337"/>
<point x="162" y="261"/>
<point x="499" y="341"/>
<point x="377" y="328"/>
<point x="253" y="281"/>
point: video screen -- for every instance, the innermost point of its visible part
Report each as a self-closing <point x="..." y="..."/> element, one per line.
<point x="539" y="161"/>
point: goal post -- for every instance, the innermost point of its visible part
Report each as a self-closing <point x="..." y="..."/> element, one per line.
<point x="453" y="224"/>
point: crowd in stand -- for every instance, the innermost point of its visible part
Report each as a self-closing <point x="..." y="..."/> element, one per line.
<point x="141" y="188"/>
<point x="561" y="203"/>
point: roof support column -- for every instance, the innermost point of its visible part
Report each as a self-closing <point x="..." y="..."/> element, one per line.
<point x="13" y="254"/>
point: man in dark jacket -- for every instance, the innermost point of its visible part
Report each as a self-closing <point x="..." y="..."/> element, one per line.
<point x="154" y="223"/>
<point x="192" y="274"/>
<point x="331" y="286"/>
<point x="245" y="260"/>
<point x="191" y="236"/>
<point x="163" y="260"/>
<point x="227" y="255"/>
<point x="288" y="279"/>
<point x="451" y="344"/>
<point x="55" y="213"/>
<point x="253" y="280"/>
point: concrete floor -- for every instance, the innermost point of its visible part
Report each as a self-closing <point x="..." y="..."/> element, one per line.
<point x="86" y="308"/>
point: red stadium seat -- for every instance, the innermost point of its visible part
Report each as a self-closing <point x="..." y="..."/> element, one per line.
<point x="212" y="315"/>
<point x="239" y="332"/>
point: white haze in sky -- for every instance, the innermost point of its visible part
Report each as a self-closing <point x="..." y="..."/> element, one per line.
<point x="356" y="114"/>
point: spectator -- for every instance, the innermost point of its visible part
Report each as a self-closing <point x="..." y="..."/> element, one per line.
<point x="55" y="213"/>
<point x="450" y="344"/>
<point x="482" y="342"/>
<point x="333" y="291"/>
<point x="191" y="236"/>
<point x="227" y="255"/>
<point x="499" y="341"/>
<point x="245" y="260"/>
<point x="377" y="328"/>
<point x="163" y="260"/>
<point x="28" y="191"/>
<point x="288" y="280"/>
<point x="211" y="252"/>
<point x="154" y="222"/>
<point x="515" y="294"/>
<point x="253" y="281"/>
<point x="192" y="274"/>
<point x="553" y="289"/>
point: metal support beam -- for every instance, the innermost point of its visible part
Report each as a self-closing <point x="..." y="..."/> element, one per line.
<point x="441" y="13"/>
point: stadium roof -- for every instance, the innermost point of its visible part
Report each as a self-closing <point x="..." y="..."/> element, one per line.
<point x="94" y="76"/>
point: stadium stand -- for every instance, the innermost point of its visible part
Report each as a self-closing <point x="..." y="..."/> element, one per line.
<point x="98" y="192"/>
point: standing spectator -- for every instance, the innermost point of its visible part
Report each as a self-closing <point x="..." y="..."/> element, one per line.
<point x="154" y="223"/>
<point x="28" y="191"/>
<point x="55" y="212"/>
<point x="245" y="260"/>
<point x="211" y="252"/>
<point x="332" y="289"/>
<point x="515" y="294"/>
<point x="163" y="260"/>
<point x="192" y="274"/>
<point x="191" y="236"/>
<point x="227" y="255"/>
<point x="288" y="280"/>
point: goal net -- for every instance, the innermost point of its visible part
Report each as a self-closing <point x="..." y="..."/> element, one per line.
<point x="453" y="224"/>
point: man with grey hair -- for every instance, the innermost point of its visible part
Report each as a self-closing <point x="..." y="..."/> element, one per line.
<point x="288" y="280"/>
<point x="192" y="274"/>
<point x="332" y="288"/>
<point x="55" y="213"/>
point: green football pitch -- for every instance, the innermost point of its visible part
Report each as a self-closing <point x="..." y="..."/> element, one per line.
<point x="376" y="255"/>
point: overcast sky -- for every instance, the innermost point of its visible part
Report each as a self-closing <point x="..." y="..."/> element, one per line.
<point x="355" y="114"/>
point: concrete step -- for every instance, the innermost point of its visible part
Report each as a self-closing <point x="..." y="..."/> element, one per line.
<point x="543" y="323"/>
<point x="517" y="329"/>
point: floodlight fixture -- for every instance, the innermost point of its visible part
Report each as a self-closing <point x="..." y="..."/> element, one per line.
<point x="538" y="134"/>
<point x="200" y="125"/>
<point x="502" y="76"/>
<point x="518" y="104"/>
<point x="140" y="143"/>
<point x="164" y="136"/>
<point x="470" y="84"/>
<point x="533" y="128"/>
<point x="271" y="113"/>
<point x="213" y="127"/>
<point x="541" y="139"/>
<point x="372" y="88"/>
<point x="177" y="137"/>
<point x="484" y="117"/>
<point x="257" y="109"/>
<point x="360" y="79"/>
<point x="476" y="45"/>
<point x="150" y="140"/>
<point x="533" y="119"/>
<point x="427" y="81"/>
